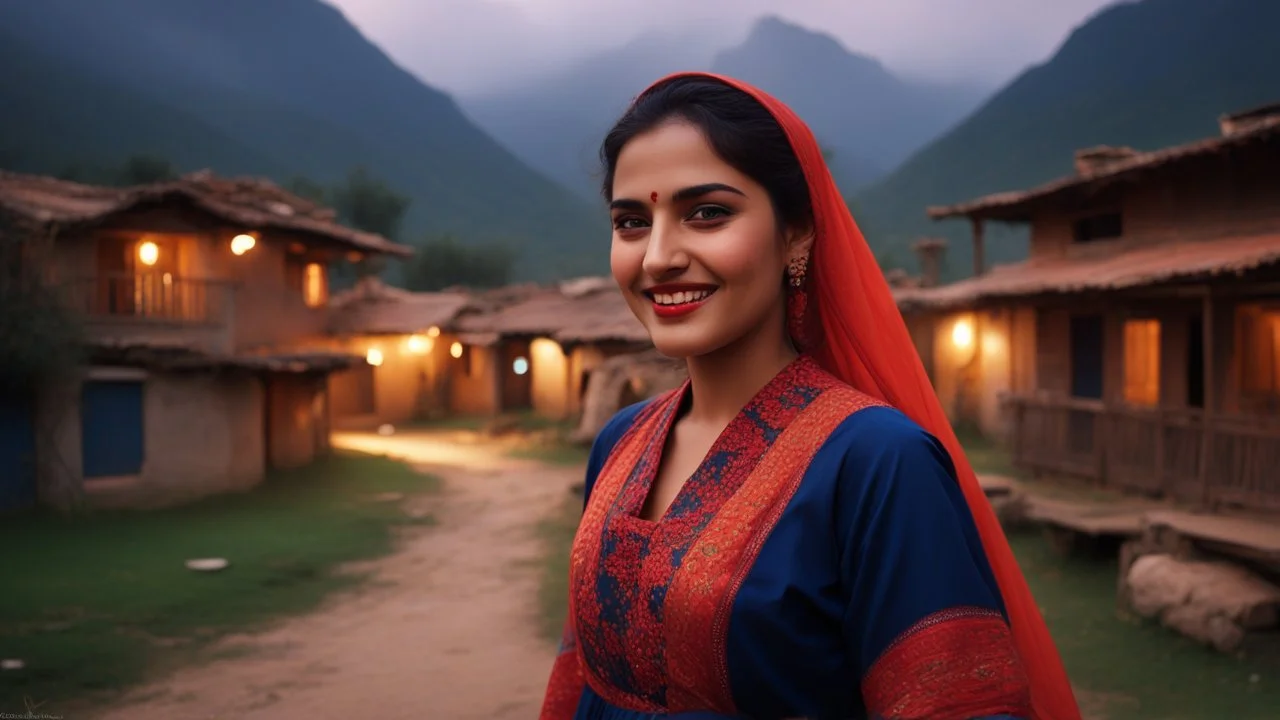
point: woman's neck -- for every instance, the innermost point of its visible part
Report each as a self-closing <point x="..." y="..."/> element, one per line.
<point x="724" y="381"/>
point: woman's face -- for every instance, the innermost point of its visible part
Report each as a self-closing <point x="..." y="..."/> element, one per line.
<point x="696" y="248"/>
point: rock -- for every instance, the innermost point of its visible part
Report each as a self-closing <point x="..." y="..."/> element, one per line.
<point x="1213" y="602"/>
<point x="12" y="664"/>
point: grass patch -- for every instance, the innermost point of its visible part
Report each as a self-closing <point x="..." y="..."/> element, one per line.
<point x="557" y="534"/>
<point x="554" y="453"/>
<point x="985" y="454"/>
<point x="91" y="603"/>
<point x="1130" y="669"/>
<point x="525" y="421"/>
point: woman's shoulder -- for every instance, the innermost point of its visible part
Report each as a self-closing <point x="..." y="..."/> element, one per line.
<point x="875" y="439"/>
<point x="621" y="421"/>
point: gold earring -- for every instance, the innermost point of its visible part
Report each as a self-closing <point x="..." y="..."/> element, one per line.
<point x="797" y="269"/>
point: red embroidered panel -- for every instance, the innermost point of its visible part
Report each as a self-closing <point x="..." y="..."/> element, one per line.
<point x="956" y="664"/>
<point x="701" y="594"/>
<point x="653" y="598"/>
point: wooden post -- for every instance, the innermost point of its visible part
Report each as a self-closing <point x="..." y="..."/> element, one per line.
<point x="979" y="248"/>
<point x="1210" y="402"/>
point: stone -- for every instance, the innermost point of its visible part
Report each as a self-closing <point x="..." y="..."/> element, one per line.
<point x="1216" y="603"/>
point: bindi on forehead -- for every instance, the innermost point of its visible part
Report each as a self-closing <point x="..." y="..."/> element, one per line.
<point x="653" y="197"/>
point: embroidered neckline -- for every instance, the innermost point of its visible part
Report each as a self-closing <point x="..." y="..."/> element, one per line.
<point x="782" y="388"/>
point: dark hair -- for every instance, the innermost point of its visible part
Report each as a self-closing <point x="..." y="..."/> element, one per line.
<point x="740" y="130"/>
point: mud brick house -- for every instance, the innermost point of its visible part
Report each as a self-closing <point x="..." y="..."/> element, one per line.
<point x="405" y="339"/>
<point x="515" y="349"/>
<point x="200" y="301"/>
<point x="1139" y="343"/>
<point x="530" y="348"/>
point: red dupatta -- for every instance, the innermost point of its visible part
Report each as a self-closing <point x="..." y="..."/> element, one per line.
<point x="846" y="308"/>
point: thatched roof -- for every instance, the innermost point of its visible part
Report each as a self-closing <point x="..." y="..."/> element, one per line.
<point x="253" y="203"/>
<point x="1100" y="167"/>
<point x="585" y="310"/>
<point x="374" y="308"/>
<point x="1137" y="267"/>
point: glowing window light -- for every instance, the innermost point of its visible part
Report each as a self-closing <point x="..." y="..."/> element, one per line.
<point x="373" y="357"/>
<point x="456" y="350"/>
<point x="520" y="366"/>
<point x="242" y="244"/>
<point x="418" y="344"/>
<point x="433" y="331"/>
<point x="962" y="334"/>
<point x="148" y="253"/>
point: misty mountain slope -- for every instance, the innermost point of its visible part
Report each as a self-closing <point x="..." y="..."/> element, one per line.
<point x="58" y="118"/>
<point x="1148" y="75"/>
<point x="870" y="119"/>
<point x="556" y="124"/>
<point x="293" y="81"/>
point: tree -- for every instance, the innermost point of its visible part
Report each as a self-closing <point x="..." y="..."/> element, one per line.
<point x="309" y="189"/>
<point x="41" y="347"/>
<point x="367" y="203"/>
<point x="444" y="262"/>
<point x="143" y="169"/>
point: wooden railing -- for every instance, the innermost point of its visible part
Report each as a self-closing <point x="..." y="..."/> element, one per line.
<point x="1159" y="452"/>
<point x="160" y="297"/>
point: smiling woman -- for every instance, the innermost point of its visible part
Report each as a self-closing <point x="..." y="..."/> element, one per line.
<point x="795" y="531"/>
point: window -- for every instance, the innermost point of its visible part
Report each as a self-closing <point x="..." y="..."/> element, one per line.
<point x="1142" y="362"/>
<point x="315" y="285"/>
<point x="1086" y="337"/>
<point x="1098" y="227"/>
<point x="308" y="279"/>
<point x="1259" y="350"/>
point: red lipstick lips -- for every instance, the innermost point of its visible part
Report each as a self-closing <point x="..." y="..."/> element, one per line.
<point x="677" y="300"/>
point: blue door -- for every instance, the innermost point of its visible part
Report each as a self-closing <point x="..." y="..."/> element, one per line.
<point x="111" y="427"/>
<point x="17" y="455"/>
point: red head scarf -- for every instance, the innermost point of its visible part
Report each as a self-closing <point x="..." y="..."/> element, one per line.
<point x="862" y="339"/>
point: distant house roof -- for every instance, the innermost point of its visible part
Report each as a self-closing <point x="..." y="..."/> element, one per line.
<point x="1137" y="267"/>
<point x="374" y="308"/>
<point x="577" y="311"/>
<point x="167" y="354"/>
<point x="1099" y="167"/>
<point x="253" y="203"/>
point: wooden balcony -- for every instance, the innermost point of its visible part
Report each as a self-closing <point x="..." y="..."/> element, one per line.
<point x="1207" y="460"/>
<point x="161" y="298"/>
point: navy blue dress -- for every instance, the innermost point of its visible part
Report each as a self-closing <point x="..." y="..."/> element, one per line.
<point x="858" y="590"/>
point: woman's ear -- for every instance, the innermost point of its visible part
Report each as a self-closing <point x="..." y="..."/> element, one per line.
<point x="799" y="243"/>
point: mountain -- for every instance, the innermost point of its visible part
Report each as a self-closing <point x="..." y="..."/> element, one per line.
<point x="556" y="124"/>
<point x="866" y="116"/>
<point x="284" y="88"/>
<point x="1147" y="74"/>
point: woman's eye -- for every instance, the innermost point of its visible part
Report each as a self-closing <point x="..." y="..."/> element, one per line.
<point x="709" y="212"/>
<point x="629" y="222"/>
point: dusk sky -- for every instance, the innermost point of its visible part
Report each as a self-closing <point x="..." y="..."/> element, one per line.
<point x="477" y="46"/>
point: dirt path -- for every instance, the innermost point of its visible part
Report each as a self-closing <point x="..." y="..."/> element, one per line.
<point x="447" y="630"/>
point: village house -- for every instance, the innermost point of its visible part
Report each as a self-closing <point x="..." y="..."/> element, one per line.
<point x="516" y="349"/>
<point x="530" y="348"/>
<point x="405" y="339"/>
<point x="1139" y="344"/>
<point x="200" y="300"/>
